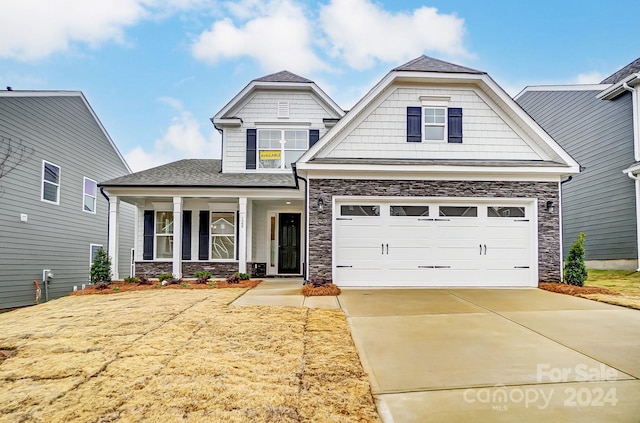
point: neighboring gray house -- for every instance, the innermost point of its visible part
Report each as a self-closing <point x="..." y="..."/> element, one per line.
<point x="52" y="214"/>
<point x="596" y="125"/>
<point x="436" y="177"/>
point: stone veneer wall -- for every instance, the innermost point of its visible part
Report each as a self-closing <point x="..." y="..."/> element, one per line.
<point x="218" y="269"/>
<point x="320" y="224"/>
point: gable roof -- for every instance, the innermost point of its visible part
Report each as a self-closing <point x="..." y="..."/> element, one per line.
<point x="424" y="70"/>
<point x="54" y="93"/>
<point x="284" y="76"/>
<point x="633" y="67"/>
<point x="283" y="80"/>
<point x="429" y="64"/>
<point x="200" y="173"/>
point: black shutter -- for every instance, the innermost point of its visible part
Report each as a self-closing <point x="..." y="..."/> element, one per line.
<point x="251" y="148"/>
<point x="237" y="234"/>
<point x="203" y="234"/>
<point x="186" y="235"/>
<point x="414" y="124"/>
<point x="454" y="125"/>
<point x="314" y="136"/>
<point x="147" y="246"/>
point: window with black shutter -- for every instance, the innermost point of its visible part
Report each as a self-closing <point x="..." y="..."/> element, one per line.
<point x="203" y="235"/>
<point x="414" y="124"/>
<point x="251" y="149"/>
<point x="454" y="125"/>
<point x="147" y="248"/>
<point x="186" y="235"/>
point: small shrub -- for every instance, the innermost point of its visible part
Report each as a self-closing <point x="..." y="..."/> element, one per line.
<point x="233" y="279"/>
<point x="575" y="272"/>
<point x="131" y="279"/>
<point x="164" y="276"/>
<point x="184" y="285"/>
<point x="202" y="276"/>
<point x="116" y="288"/>
<point x="243" y="276"/>
<point x="143" y="280"/>
<point x="214" y="283"/>
<point x="101" y="268"/>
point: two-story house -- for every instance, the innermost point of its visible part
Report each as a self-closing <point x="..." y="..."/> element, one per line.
<point x="53" y="216"/>
<point x="599" y="126"/>
<point x="436" y="177"/>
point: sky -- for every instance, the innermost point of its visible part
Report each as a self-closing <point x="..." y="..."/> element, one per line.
<point x="156" y="71"/>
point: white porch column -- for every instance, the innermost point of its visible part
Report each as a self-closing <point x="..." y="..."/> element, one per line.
<point x="114" y="231"/>
<point x="242" y="236"/>
<point x="177" y="237"/>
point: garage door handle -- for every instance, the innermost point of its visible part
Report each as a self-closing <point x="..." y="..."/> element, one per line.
<point x="382" y="246"/>
<point x="343" y="266"/>
<point x="485" y="249"/>
<point x="425" y="220"/>
<point x="442" y="267"/>
<point x="343" y="218"/>
<point x="520" y="267"/>
<point x="442" y="220"/>
<point x="480" y="249"/>
<point x="387" y="249"/>
<point x="520" y="220"/>
<point x="426" y="267"/>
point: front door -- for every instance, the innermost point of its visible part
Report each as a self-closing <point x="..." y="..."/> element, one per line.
<point x="289" y="243"/>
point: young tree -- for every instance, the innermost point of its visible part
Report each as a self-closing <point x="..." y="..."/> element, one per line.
<point x="101" y="269"/>
<point x="12" y="154"/>
<point x="575" y="272"/>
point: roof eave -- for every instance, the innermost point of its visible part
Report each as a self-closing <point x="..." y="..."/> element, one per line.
<point x="617" y="89"/>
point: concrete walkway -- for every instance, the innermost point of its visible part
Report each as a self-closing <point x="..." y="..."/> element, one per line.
<point x="486" y="355"/>
<point x="283" y="292"/>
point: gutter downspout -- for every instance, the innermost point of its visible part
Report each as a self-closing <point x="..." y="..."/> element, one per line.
<point x="305" y="265"/>
<point x="108" y="205"/>
<point x="636" y="153"/>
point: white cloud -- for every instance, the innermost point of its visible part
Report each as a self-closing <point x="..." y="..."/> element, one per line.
<point x="183" y="139"/>
<point x="361" y="33"/>
<point x="35" y="29"/>
<point x="277" y="34"/>
<point x="593" y="77"/>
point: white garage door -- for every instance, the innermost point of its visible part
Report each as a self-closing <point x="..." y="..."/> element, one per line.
<point x="403" y="243"/>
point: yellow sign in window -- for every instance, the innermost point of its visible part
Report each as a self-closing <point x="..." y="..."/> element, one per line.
<point x="270" y="155"/>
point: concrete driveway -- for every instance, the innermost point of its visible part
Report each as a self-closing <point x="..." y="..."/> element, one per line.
<point x="496" y="355"/>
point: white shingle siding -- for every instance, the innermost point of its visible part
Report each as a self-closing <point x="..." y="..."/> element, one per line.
<point x="382" y="134"/>
<point x="304" y="109"/>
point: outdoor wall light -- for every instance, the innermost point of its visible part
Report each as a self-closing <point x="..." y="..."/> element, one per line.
<point x="320" y="205"/>
<point x="550" y="206"/>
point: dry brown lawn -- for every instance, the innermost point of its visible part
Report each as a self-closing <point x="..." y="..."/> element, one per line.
<point x="179" y="356"/>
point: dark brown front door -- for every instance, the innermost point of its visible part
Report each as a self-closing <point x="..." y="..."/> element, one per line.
<point x="289" y="243"/>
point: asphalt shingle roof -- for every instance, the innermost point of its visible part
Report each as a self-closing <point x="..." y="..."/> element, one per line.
<point x="429" y="64"/>
<point x="201" y="173"/>
<point x="284" y="76"/>
<point x="633" y="67"/>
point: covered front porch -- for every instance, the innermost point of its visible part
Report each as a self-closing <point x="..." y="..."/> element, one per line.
<point x="261" y="234"/>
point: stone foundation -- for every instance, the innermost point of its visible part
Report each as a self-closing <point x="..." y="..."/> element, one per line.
<point x="217" y="269"/>
<point x="320" y="224"/>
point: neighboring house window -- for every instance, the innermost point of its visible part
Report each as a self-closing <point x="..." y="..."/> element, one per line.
<point x="223" y="235"/>
<point x="278" y="148"/>
<point x="164" y="234"/>
<point x="93" y="250"/>
<point x="50" y="182"/>
<point x="89" y="197"/>
<point x="435" y="125"/>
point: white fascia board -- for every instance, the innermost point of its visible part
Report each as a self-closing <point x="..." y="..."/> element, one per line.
<point x="233" y="122"/>
<point x="615" y="90"/>
<point x="528" y="121"/>
<point x="27" y="93"/>
<point x="209" y="193"/>
<point x="380" y="170"/>
<point x="576" y="87"/>
<point x="434" y="176"/>
<point x="254" y="85"/>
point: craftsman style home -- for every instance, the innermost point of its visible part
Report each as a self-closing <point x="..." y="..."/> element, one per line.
<point x="436" y="177"/>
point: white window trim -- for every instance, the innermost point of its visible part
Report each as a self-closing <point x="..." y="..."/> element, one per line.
<point x="443" y="125"/>
<point x="282" y="167"/>
<point x="235" y="238"/>
<point x="91" y="252"/>
<point x="156" y="235"/>
<point x="43" y="181"/>
<point x="84" y="194"/>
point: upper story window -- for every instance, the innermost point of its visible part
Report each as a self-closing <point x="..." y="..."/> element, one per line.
<point x="50" y="182"/>
<point x="435" y="123"/>
<point x="278" y="148"/>
<point x="89" y="195"/>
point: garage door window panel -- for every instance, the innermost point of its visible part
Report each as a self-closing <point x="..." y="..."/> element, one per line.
<point x="409" y="211"/>
<point x="494" y="211"/>
<point x="458" y="211"/>
<point x="360" y="210"/>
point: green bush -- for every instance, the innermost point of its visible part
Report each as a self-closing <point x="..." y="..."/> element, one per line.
<point x="131" y="279"/>
<point x="242" y="276"/>
<point x="164" y="276"/>
<point x="101" y="268"/>
<point x="575" y="272"/>
<point x="202" y="274"/>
